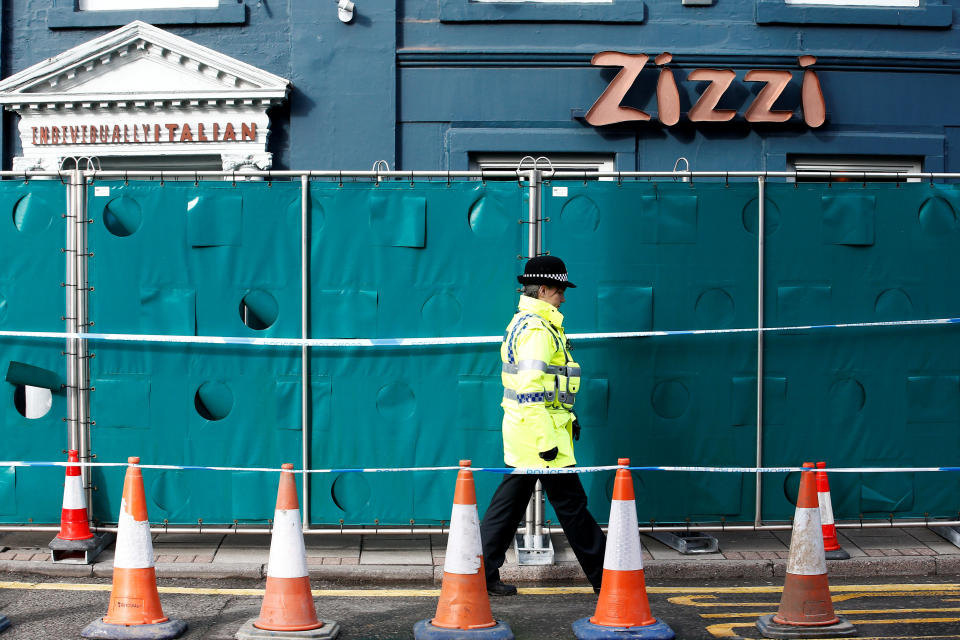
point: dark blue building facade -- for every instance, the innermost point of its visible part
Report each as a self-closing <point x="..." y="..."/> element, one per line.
<point x="445" y="85"/>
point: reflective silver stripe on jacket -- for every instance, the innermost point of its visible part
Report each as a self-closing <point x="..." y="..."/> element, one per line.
<point x="524" y="398"/>
<point x="540" y="365"/>
<point x="539" y="396"/>
<point x="524" y="365"/>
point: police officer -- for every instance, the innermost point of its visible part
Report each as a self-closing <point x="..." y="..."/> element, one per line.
<point x="540" y="383"/>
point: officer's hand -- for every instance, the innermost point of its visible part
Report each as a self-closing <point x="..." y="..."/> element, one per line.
<point x="576" y="429"/>
<point x="550" y="455"/>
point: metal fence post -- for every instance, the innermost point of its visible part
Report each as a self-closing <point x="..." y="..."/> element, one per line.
<point x="538" y="512"/>
<point x="304" y="333"/>
<point x="70" y="316"/>
<point x="534" y="247"/>
<point x="533" y="538"/>
<point x="761" y="212"/>
<point x="83" y="326"/>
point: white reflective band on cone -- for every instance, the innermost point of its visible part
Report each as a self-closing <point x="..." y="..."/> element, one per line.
<point x="806" y="544"/>
<point x="826" y="508"/>
<point x="73" y="494"/>
<point x="288" y="557"/>
<point x="134" y="543"/>
<point x="625" y="555"/>
<point x="463" y="544"/>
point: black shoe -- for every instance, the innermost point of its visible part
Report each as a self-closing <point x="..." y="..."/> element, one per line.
<point x="596" y="589"/>
<point x="498" y="588"/>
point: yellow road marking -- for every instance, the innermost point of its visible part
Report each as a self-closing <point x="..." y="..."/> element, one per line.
<point x="711" y="601"/>
<point x="199" y="591"/>
<point x="725" y="630"/>
<point x="845" y="612"/>
<point x="904" y="621"/>
<point x="701" y="601"/>
<point x="377" y="593"/>
<point x="843" y="588"/>
<point x="204" y="591"/>
<point x="853" y="590"/>
<point x="55" y="586"/>
<point x="893" y="594"/>
<point x="550" y="591"/>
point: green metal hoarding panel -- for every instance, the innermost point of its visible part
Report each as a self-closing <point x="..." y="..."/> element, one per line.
<point x="870" y="397"/>
<point x="213" y="259"/>
<point x="197" y="259"/>
<point x="662" y="256"/>
<point x="646" y="257"/>
<point x="400" y="260"/>
<point x="396" y="259"/>
<point x="32" y="236"/>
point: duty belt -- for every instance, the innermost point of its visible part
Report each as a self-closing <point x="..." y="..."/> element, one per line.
<point x="539" y="396"/>
<point x="540" y="365"/>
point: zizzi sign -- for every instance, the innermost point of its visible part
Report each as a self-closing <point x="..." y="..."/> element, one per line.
<point x="142" y="133"/>
<point x="608" y="110"/>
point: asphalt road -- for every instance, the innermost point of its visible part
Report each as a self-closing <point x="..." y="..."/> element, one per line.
<point x="916" y="608"/>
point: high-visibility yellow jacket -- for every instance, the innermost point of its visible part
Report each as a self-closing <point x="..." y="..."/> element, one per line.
<point x="540" y="382"/>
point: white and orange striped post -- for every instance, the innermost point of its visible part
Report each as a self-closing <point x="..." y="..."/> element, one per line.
<point x="75" y="543"/>
<point x="831" y="545"/>
<point x="134" y="610"/>
<point x="623" y="609"/>
<point x="287" y="610"/>
<point x="463" y="610"/>
<point x="806" y="609"/>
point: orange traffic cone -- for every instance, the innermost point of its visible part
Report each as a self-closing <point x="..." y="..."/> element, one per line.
<point x="76" y="543"/>
<point x="806" y="609"/>
<point x="831" y="546"/>
<point x="463" y="611"/>
<point x="623" y="610"/>
<point x="134" y="610"/>
<point x="287" y="610"/>
<point x="73" y="516"/>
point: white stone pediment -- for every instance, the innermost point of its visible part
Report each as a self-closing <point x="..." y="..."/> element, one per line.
<point x="140" y="91"/>
<point x="143" y="61"/>
<point x="141" y="73"/>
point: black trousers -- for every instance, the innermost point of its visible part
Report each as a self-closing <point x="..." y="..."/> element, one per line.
<point x="566" y="494"/>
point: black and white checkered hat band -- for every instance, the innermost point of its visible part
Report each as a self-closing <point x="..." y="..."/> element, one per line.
<point x="562" y="277"/>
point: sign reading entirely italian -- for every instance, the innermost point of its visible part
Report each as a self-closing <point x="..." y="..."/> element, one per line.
<point x="608" y="110"/>
<point x="69" y="134"/>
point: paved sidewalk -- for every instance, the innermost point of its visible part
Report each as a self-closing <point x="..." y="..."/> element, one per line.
<point x="371" y="559"/>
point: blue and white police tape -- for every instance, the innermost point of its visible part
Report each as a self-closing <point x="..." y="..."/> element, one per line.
<point x="500" y="470"/>
<point x="439" y="341"/>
